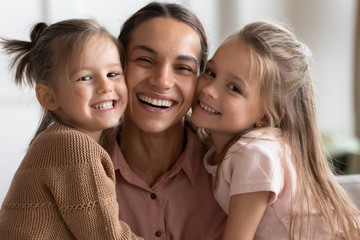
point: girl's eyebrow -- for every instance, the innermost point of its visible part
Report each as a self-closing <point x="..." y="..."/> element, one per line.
<point x="154" y="52"/>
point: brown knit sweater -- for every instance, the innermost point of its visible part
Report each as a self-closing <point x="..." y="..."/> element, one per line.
<point x="64" y="189"/>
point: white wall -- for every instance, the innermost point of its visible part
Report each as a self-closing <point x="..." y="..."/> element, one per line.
<point x="325" y="25"/>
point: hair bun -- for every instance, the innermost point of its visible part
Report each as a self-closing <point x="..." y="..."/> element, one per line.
<point x="36" y="32"/>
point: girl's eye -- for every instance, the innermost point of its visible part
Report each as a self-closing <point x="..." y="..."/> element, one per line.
<point x="210" y="73"/>
<point x="235" y="89"/>
<point x="111" y="75"/>
<point x="84" y="78"/>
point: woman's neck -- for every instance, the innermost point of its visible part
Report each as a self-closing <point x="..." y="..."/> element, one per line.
<point x="150" y="155"/>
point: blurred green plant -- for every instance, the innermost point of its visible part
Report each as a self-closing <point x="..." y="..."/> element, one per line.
<point x="339" y="148"/>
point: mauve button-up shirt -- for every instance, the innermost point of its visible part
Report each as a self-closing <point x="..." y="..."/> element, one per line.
<point x="179" y="206"/>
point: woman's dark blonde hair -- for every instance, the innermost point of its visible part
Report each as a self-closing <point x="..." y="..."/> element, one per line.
<point x="165" y="10"/>
<point x="48" y="53"/>
<point x="287" y="90"/>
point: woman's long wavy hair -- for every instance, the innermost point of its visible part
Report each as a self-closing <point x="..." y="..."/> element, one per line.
<point x="287" y="89"/>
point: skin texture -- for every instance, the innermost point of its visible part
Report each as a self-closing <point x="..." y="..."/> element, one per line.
<point x="228" y="102"/>
<point x="158" y="74"/>
<point x="93" y="96"/>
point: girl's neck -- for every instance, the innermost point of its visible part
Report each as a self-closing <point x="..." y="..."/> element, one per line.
<point x="150" y="155"/>
<point x="96" y="135"/>
<point x="220" y="141"/>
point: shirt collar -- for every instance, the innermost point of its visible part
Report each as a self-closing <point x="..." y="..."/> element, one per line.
<point x="189" y="161"/>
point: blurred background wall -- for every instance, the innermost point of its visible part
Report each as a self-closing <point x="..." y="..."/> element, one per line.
<point x="326" y="26"/>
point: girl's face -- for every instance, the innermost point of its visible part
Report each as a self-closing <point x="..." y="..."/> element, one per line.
<point x="228" y="97"/>
<point x="92" y="95"/>
<point x="163" y="58"/>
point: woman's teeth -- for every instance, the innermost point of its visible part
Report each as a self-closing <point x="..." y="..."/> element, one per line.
<point x="156" y="102"/>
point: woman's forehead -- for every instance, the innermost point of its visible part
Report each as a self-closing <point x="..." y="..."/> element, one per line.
<point x="166" y="35"/>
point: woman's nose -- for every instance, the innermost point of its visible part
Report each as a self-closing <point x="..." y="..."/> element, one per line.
<point x="163" y="78"/>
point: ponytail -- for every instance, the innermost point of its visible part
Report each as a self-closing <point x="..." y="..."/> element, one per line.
<point x="22" y="55"/>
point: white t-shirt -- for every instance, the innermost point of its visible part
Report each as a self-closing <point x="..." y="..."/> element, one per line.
<point x="260" y="162"/>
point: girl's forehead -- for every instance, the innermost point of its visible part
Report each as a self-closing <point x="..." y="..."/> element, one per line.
<point x="235" y="58"/>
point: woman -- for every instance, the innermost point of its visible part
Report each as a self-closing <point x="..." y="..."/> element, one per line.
<point x="163" y="189"/>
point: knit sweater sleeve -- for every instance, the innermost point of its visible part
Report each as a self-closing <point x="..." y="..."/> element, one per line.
<point x="83" y="187"/>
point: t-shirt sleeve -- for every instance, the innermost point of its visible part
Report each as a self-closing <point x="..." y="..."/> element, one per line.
<point x="254" y="167"/>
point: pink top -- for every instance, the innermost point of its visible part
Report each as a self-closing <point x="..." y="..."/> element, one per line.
<point x="260" y="162"/>
<point x="180" y="205"/>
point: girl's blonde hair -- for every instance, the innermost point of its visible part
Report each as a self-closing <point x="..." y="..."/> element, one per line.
<point x="287" y="89"/>
<point x="50" y="49"/>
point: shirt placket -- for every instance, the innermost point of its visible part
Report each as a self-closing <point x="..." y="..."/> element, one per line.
<point x="157" y="218"/>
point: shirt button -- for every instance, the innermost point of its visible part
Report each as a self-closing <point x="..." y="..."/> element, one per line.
<point x="158" y="233"/>
<point x="153" y="196"/>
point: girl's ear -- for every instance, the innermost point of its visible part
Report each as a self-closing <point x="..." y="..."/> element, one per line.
<point x="45" y="96"/>
<point x="262" y="122"/>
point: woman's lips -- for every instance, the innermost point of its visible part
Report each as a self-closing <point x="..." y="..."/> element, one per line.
<point x="156" y="102"/>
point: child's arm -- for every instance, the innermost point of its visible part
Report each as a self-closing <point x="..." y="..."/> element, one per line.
<point x="245" y="213"/>
<point x="82" y="184"/>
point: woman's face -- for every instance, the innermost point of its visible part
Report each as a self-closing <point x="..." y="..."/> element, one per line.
<point x="163" y="58"/>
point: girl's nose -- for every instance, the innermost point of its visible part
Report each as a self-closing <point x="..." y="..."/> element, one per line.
<point x="210" y="90"/>
<point x="104" y="86"/>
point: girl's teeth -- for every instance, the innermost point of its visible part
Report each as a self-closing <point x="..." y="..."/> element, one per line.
<point x="208" y="109"/>
<point x="106" y="105"/>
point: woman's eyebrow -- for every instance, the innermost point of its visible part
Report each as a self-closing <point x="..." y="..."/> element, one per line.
<point x="188" y="58"/>
<point x="153" y="51"/>
<point x="145" y="48"/>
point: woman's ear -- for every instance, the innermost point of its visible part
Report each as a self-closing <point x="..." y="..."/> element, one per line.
<point x="45" y="96"/>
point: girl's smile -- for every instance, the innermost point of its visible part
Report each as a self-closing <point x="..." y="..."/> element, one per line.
<point x="228" y="99"/>
<point x="207" y="108"/>
<point x="96" y="95"/>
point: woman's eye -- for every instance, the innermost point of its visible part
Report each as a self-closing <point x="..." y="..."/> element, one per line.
<point x="144" y="60"/>
<point x="186" y="69"/>
<point x="84" y="78"/>
<point x="234" y="88"/>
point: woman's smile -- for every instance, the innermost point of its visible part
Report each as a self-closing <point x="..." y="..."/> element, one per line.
<point x="155" y="102"/>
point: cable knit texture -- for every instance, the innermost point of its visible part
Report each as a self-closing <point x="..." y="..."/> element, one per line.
<point x="64" y="189"/>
